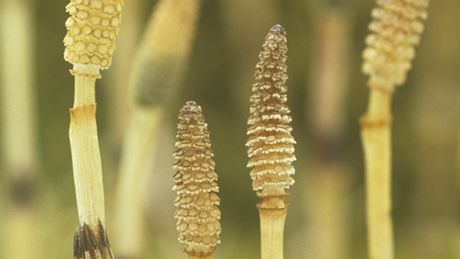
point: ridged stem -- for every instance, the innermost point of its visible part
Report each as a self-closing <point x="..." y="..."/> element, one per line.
<point x="376" y="138"/>
<point x="90" y="240"/>
<point x="86" y="158"/>
<point x="272" y="232"/>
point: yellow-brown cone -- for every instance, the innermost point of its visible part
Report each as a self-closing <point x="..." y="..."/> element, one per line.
<point x="395" y="31"/>
<point x="197" y="211"/>
<point x="92" y="30"/>
<point x="270" y="143"/>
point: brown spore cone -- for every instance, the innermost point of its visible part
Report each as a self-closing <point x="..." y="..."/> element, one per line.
<point x="270" y="142"/>
<point x="197" y="211"/>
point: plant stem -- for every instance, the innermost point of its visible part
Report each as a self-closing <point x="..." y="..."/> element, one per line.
<point x="86" y="158"/>
<point x="91" y="240"/>
<point x="272" y="232"/>
<point x="89" y="51"/>
<point x="157" y="70"/>
<point x="19" y="145"/>
<point x="327" y="199"/>
<point x="117" y="75"/>
<point x="139" y="144"/>
<point x="376" y="137"/>
<point x="387" y="68"/>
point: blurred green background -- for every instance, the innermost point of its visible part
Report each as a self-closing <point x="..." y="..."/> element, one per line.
<point x="426" y="175"/>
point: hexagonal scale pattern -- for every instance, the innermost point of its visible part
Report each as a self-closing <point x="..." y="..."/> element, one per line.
<point x="92" y="29"/>
<point x="197" y="211"/>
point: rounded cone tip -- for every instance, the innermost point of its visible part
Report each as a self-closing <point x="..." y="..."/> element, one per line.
<point x="277" y="28"/>
<point x="191" y="107"/>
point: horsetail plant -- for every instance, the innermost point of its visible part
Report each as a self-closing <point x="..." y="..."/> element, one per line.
<point x="197" y="211"/>
<point x="270" y="144"/>
<point x="92" y="29"/>
<point x="158" y="66"/>
<point x="395" y="31"/>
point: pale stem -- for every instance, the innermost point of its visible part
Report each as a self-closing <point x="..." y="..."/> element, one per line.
<point x="16" y="50"/>
<point x="86" y="158"/>
<point x="85" y="92"/>
<point x="137" y="158"/>
<point x="272" y="232"/>
<point x="376" y="136"/>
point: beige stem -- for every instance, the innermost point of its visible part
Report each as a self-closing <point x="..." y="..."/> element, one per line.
<point x="16" y="50"/>
<point x="138" y="147"/>
<point x="86" y="158"/>
<point x="272" y="232"/>
<point x="19" y="234"/>
<point x="376" y="137"/>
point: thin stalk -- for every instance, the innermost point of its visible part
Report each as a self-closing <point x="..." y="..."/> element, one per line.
<point x="86" y="158"/>
<point x="92" y="29"/>
<point x="118" y="78"/>
<point x="326" y="199"/>
<point x="387" y="59"/>
<point x="158" y="68"/>
<point x="144" y="127"/>
<point x="18" y="130"/>
<point x="270" y="143"/>
<point x="272" y="232"/>
<point x="376" y="137"/>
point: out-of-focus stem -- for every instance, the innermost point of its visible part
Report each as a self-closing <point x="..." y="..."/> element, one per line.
<point x="330" y="183"/>
<point x="18" y="138"/>
<point x="144" y="127"/>
<point x="157" y="70"/>
<point x="118" y="75"/>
